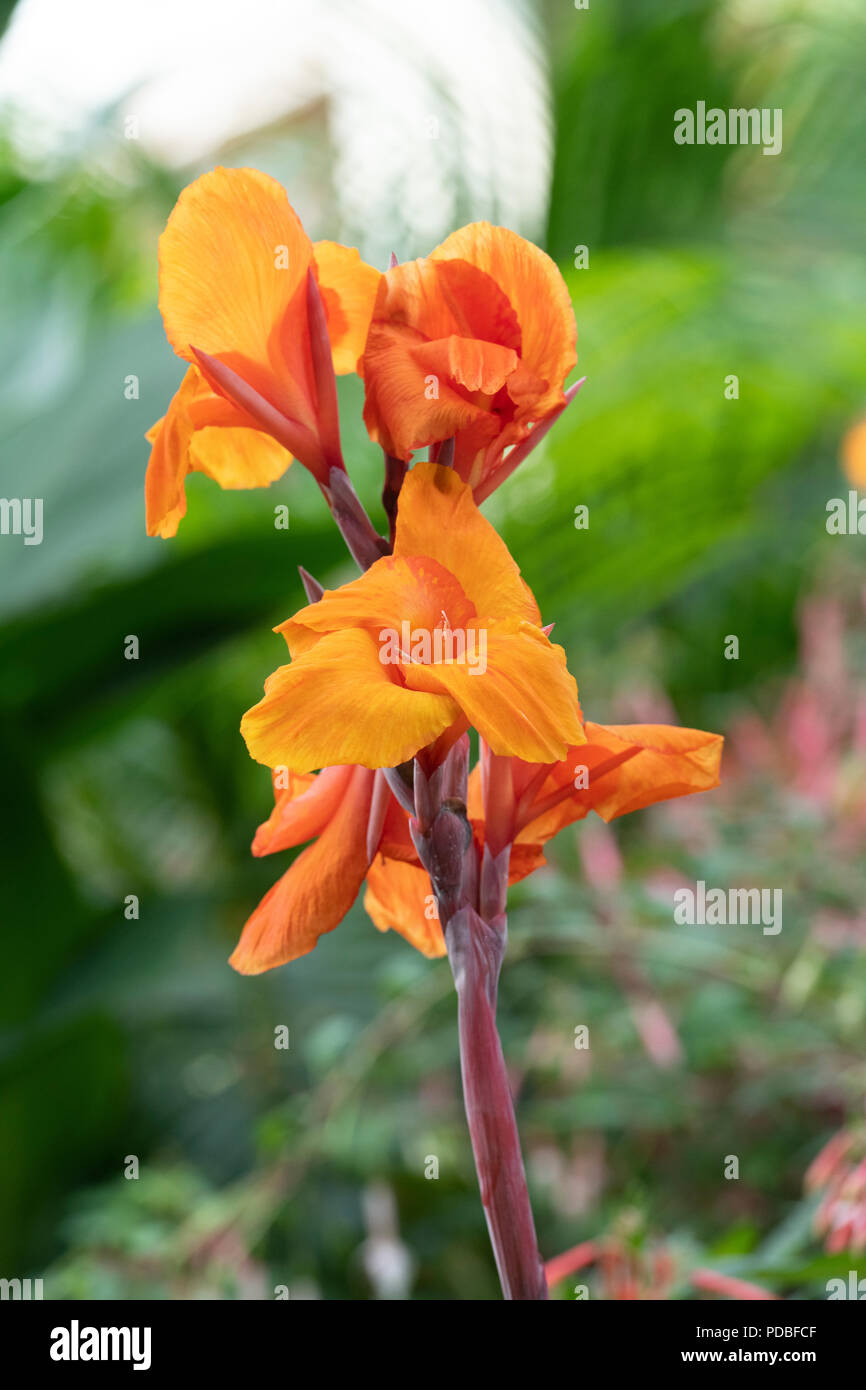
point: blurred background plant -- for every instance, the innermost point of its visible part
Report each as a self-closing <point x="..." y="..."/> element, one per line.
<point x="310" y="1170"/>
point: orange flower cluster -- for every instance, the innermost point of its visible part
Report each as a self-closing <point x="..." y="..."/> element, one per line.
<point x="464" y="353"/>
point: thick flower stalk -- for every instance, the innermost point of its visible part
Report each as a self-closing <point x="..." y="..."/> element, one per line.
<point x="366" y="728"/>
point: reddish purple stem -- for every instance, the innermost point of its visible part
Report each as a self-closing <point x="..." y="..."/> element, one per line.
<point x="443" y="837"/>
<point x="475" y="950"/>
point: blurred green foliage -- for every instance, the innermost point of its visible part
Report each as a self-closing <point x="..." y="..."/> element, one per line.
<point x="128" y="777"/>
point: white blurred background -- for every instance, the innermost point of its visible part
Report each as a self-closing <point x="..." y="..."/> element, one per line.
<point x="429" y="115"/>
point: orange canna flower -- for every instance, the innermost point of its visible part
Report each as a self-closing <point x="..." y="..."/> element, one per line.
<point x="440" y="635"/>
<point x="360" y="832"/>
<point x="352" y="839"/>
<point x="474" y="342"/>
<point x="629" y="766"/>
<point x="252" y="304"/>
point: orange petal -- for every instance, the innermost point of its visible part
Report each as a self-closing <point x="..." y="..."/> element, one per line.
<point x="468" y="362"/>
<point x="557" y="801"/>
<point x="392" y="591"/>
<point x="437" y="517"/>
<point x="523" y="702"/>
<point x="238" y="458"/>
<point x="475" y="796"/>
<point x="233" y="261"/>
<point x="444" y="341"/>
<point x="302" y="808"/>
<point x="537" y="293"/>
<point x="399" y="896"/>
<point x="438" y="298"/>
<point x="202" y="433"/>
<point x="315" y="894"/>
<point x="338" y="703"/>
<point x="408" y="404"/>
<point x="349" y="288"/>
<point x="669" y="762"/>
<point x="164" y="492"/>
<point x="524" y="860"/>
<point x="225" y="280"/>
<point x="231" y="451"/>
<point x="628" y="766"/>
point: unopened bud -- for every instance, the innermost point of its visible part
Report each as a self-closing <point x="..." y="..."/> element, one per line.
<point x="442" y="849"/>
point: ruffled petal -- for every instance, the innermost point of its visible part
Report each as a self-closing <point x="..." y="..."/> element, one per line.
<point x="468" y="362"/>
<point x="415" y="590"/>
<point x="409" y="404"/>
<point x="514" y="688"/>
<point x="534" y="287"/>
<point x="441" y="297"/>
<point x="437" y="517"/>
<point x="338" y="703"/>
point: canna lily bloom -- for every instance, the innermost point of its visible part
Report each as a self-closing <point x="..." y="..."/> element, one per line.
<point x="474" y="342"/>
<point x="354" y="840"/>
<point x="617" y="769"/>
<point x="620" y="768"/>
<point x="333" y="811"/>
<point x="388" y="664"/>
<point x="352" y="837"/>
<point x="264" y="317"/>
